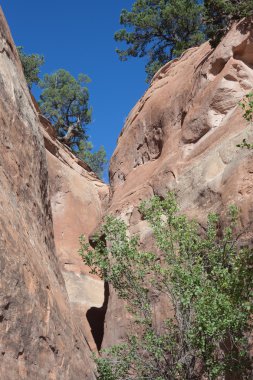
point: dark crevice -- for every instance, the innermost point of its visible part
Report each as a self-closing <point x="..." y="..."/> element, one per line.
<point x="20" y="353"/>
<point x="217" y="66"/>
<point x="96" y="318"/>
<point x="6" y="52"/>
<point x="184" y="113"/>
<point x="53" y="349"/>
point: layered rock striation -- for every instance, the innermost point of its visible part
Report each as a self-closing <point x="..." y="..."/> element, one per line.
<point x="182" y="136"/>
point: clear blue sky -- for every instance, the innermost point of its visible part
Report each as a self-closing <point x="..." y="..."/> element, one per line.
<point x="77" y="35"/>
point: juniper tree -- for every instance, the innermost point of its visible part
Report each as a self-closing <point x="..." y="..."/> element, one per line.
<point x="160" y="30"/>
<point x="31" y="66"/>
<point x="96" y="160"/>
<point x="220" y="14"/>
<point x="65" y="102"/>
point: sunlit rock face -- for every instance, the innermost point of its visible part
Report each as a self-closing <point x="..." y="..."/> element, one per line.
<point x="182" y="136"/>
<point x="39" y="338"/>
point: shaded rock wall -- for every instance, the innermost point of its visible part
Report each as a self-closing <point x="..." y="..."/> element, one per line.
<point x="39" y="338"/>
<point x="78" y="199"/>
<point x="182" y="136"/>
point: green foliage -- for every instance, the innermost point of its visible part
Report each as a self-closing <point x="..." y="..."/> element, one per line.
<point x="120" y="270"/>
<point x="159" y="29"/>
<point x="164" y="29"/>
<point x="64" y="101"/>
<point x="31" y="66"/>
<point x="96" y="160"/>
<point x="247" y="106"/>
<point x="220" y="14"/>
<point x="245" y="144"/>
<point x="208" y="279"/>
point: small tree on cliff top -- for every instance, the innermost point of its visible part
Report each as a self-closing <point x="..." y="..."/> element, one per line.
<point x="160" y="30"/>
<point x="96" y="160"/>
<point x="31" y="66"/>
<point x="163" y="29"/>
<point x="208" y="279"/>
<point x="65" y="102"/>
<point x="220" y="14"/>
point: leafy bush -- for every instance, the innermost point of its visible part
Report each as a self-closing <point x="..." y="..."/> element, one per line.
<point x="208" y="279"/>
<point x="247" y="106"/>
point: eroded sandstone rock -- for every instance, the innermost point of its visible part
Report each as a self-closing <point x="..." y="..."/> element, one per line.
<point x="182" y="136"/>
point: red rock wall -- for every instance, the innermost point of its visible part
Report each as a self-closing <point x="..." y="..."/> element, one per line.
<point x="182" y="136"/>
<point x="39" y="338"/>
<point x="78" y="200"/>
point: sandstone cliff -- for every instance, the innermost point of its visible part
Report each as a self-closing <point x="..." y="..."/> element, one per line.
<point x="78" y="200"/>
<point x="182" y="136"/>
<point x="39" y="337"/>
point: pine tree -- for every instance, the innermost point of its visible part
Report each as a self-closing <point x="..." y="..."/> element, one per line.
<point x="160" y="30"/>
<point x="96" y="160"/>
<point x="65" y="102"/>
<point x="31" y="66"/>
<point x="220" y="14"/>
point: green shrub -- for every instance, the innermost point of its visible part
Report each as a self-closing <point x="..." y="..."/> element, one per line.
<point x="247" y="106"/>
<point x="208" y="280"/>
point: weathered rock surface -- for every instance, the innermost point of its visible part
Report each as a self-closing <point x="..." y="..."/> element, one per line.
<point x="39" y="338"/>
<point x="78" y="199"/>
<point x="182" y="136"/>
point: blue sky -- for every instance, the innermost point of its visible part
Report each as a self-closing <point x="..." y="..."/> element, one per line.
<point x="77" y="35"/>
